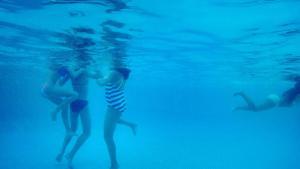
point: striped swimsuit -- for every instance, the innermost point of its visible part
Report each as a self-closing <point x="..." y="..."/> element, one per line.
<point x="114" y="94"/>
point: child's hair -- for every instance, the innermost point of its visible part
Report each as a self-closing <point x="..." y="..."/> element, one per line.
<point x="292" y="77"/>
<point x="297" y="78"/>
<point x="124" y="72"/>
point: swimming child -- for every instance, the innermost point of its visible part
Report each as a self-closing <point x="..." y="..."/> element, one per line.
<point x="114" y="84"/>
<point x="285" y="100"/>
<point x="54" y="91"/>
<point x="79" y="76"/>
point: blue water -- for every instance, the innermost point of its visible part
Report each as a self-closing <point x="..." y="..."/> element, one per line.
<point x="187" y="59"/>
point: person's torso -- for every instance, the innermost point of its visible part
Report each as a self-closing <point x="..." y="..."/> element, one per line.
<point x="115" y="97"/>
<point x="80" y="85"/>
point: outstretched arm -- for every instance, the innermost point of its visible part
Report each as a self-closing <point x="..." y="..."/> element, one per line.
<point x="94" y="74"/>
<point x="250" y="104"/>
<point x="113" y="77"/>
<point x="103" y="80"/>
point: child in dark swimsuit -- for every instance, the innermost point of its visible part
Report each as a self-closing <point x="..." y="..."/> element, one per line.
<point x="286" y="100"/>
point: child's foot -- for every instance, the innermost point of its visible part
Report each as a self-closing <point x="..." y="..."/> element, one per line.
<point x="238" y="94"/>
<point x="114" y="166"/>
<point x="69" y="161"/>
<point x="59" y="157"/>
<point x="133" y="128"/>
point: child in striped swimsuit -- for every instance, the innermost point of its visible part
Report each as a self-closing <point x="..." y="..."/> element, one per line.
<point x="116" y="104"/>
<point x="114" y="93"/>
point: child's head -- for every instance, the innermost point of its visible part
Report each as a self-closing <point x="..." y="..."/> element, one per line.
<point x="292" y="77"/>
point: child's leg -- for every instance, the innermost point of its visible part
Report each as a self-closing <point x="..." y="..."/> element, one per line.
<point x="268" y="104"/>
<point x="250" y="104"/>
<point x="110" y="121"/>
<point x="66" y="119"/>
<point x="68" y="136"/>
<point x="70" y="96"/>
<point x="86" y="131"/>
<point x="128" y="124"/>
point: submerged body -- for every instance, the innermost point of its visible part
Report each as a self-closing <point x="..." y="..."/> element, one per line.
<point x="79" y="109"/>
<point x="287" y="99"/>
<point x="54" y="91"/>
<point x="116" y="105"/>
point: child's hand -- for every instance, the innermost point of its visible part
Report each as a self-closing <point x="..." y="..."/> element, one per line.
<point x="101" y="81"/>
<point x="63" y="80"/>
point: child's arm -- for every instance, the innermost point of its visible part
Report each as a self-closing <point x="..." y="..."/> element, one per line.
<point x="113" y="77"/>
<point x="102" y="81"/>
<point x="94" y="74"/>
<point x="74" y="73"/>
<point x="62" y="81"/>
<point x="105" y="79"/>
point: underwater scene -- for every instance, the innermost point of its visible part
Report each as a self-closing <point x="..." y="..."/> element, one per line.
<point x="150" y="84"/>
